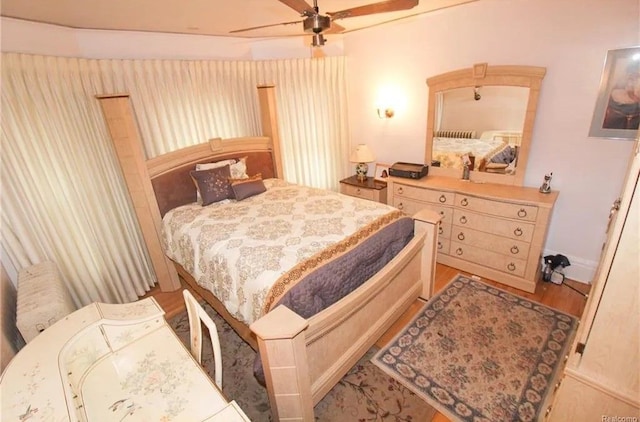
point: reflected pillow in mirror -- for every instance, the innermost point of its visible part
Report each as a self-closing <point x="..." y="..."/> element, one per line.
<point x="504" y="155"/>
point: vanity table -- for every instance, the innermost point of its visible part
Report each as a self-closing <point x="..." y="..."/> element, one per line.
<point x="491" y="225"/>
<point x="109" y="362"/>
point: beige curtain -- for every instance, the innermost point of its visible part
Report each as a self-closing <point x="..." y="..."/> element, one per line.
<point x="63" y="197"/>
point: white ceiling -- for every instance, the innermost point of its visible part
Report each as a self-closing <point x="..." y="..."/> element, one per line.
<point x="203" y="17"/>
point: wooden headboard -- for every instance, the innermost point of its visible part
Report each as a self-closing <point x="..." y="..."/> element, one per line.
<point x="169" y="173"/>
<point x="163" y="182"/>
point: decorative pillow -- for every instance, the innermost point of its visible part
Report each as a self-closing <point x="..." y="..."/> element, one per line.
<point x="213" y="184"/>
<point x="245" y="188"/>
<point x="239" y="169"/>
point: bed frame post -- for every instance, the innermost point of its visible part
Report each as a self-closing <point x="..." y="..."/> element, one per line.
<point x="282" y="345"/>
<point x="123" y="128"/>
<point x="427" y="221"/>
<point x="269" y="117"/>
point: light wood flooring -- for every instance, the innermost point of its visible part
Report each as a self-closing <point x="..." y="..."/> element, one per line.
<point x="562" y="297"/>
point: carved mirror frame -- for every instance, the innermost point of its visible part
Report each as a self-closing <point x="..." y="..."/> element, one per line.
<point x="479" y="75"/>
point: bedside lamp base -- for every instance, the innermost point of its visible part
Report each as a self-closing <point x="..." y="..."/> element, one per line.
<point x="361" y="171"/>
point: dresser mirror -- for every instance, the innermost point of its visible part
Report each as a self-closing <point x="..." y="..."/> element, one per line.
<point x="483" y="116"/>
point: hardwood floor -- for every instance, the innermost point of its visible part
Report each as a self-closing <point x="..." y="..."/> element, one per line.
<point x="562" y="297"/>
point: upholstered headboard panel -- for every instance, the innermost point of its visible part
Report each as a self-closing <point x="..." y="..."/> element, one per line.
<point x="175" y="188"/>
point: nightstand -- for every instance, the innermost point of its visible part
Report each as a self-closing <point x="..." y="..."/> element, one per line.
<point x="370" y="189"/>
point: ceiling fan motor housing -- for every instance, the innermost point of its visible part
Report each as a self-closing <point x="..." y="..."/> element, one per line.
<point x="317" y="23"/>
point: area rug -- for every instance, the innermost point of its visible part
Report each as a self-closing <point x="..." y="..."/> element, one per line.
<point x="364" y="394"/>
<point x="478" y="353"/>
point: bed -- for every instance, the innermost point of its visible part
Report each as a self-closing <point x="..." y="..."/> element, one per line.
<point x="302" y="357"/>
<point x="496" y="146"/>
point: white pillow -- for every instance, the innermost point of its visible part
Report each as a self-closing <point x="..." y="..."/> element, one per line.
<point x="209" y="166"/>
<point x="239" y="169"/>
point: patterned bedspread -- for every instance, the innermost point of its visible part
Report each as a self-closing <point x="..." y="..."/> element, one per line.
<point x="449" y="151"/>
<point x="251" y="254"/>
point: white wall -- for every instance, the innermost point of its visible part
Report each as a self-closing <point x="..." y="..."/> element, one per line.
<point x="569" y="37"/>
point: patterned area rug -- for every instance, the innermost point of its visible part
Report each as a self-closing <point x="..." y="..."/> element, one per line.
<point x="478" y="353"/>
<point x="364" y="394"/>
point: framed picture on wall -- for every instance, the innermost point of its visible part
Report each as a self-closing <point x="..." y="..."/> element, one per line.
<point x="382" y="171"/>
<point x="617" y="110"/>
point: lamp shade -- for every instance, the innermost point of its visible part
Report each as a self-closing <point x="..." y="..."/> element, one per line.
<point x="362" y="154"/>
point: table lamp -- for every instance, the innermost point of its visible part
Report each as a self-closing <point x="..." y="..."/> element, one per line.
<point x="362" y="155"/>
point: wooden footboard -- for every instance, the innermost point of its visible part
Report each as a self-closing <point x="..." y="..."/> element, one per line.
<point x="304" y="358"/>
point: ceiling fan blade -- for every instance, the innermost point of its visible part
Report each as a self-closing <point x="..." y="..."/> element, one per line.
<point x="263" y="26"/>
<point x="334" y="29"/>
<point x="370" y="9"/>
<point x="300" y="6"/>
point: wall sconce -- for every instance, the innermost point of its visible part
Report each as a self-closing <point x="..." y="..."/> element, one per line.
<point x="362" y="155"/>
<point x="476" y="93"/>
<point x="385" y="113"/>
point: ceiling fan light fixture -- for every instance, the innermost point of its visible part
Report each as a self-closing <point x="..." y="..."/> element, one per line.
<point x="318" y="40"/>
<point x="316" y="23"/>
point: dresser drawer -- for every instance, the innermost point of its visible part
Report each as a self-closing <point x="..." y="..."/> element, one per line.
<point x="422" y="194"/>
<point x="444" y="230"/>
<point x="503" y="245"/>
<point x="357" y="192"/>
<point x="443" y="245"/>
<point x="410" y="207"/>
<point x="501" y="209"/>
<point x="507" y="264"/>
<point x="518" y="230"/>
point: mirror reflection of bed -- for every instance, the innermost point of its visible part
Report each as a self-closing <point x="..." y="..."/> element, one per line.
<point x="484" y="122"/>
<point x="486" y="113"/>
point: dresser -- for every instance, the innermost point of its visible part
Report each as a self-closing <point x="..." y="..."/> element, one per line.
<point x="491" y="230"/>
<point x="370" y="189"/>
<point x="601" y="379"/>
<point x="109" y="362"/>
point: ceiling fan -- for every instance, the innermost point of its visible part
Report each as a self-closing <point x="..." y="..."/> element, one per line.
<point x="317" y="24"/>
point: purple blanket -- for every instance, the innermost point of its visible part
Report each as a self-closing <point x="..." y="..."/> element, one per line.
<point x="335" y="280"/>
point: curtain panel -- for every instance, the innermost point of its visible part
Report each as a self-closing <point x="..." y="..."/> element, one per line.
<point x="63" y="195"/>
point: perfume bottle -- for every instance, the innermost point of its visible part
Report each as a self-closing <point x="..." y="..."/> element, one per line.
<point x="465" y="172"/>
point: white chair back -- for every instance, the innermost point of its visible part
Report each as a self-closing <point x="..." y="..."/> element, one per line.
<point x="197" y="317"/>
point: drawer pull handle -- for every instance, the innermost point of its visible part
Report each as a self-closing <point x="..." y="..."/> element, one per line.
<point x="511" y="266"/>
<point x="518" y="232"/>
<point x="400" y="190"/>
<point x="439" y="245"/>
<point x="400" y="206"/>
<point x="440" y="230"/>
<point x="522" y="213"/>
<point x="442" y="213"/>
<point x="442" y="199"/>
<point x="459" y="251"/>
<point x="463" y="220"/>
<point x="464" y="202"/>
<point x="460" y="236"/>
<point x="358" y="191"/>
<point x="515" y="250"/>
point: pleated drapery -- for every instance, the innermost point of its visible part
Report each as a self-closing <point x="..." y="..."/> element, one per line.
<point x="63" y="195"/>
